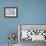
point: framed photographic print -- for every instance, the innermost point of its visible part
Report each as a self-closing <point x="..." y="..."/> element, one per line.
<point x="11" y="12"/>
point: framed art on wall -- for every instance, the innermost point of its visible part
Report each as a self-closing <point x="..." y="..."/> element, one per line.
<point x="33" y="32"/>
<point x="11" y="12"/>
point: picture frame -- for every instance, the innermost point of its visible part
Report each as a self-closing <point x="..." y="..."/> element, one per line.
<point x="10" y="12"/>
<point x="41" y="28"/>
